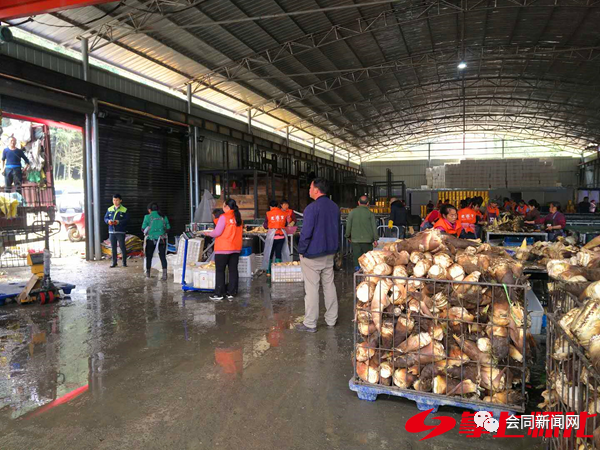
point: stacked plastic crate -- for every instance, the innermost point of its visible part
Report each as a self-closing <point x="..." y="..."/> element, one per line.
<point x="286" y="273"/>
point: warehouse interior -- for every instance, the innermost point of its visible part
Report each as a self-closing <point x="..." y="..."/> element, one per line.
<point x="421" y="107"/>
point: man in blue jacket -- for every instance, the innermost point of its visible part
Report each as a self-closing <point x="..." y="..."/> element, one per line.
<point x="117" y="217"/>
<point x="319" y="242"/>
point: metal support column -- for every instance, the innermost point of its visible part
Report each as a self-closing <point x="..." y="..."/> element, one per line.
<point x="287" y="136"/>
<point x="255" y="194"/>
<point x="249" y="121"/>
<point x="333" y="155"/>
<point x="191" y="152"/>
<point x="96" y="181"/>
<point x="87" y="158"/>
<point x="189" y="98"/>
<point x="191" y="172"/>
<point x="314" y="147"/>
<point x="429" y="155"/>
<point x="89" y="197"/>
<point x="388" y="174"/>
<point x="196" y="184"/>
<point x="502" y="148"/>
<point x="85" y="59"/>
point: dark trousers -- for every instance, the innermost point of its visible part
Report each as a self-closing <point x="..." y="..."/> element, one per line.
<point x="13" y="176"/>
<point x="120" y="237"/>
<point x="162" y="253"/>
<point x="360" y="249"/>
<point x="230" y="260"/>
<point x="277" y="248"/>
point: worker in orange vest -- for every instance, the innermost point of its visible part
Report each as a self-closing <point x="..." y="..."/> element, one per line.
<point x="492" y="211"/>
<point x="289" y="212"/>
<point x="522" y="209"/>
<point x="468" y="218"/>
<point x="448" y="223"/>
<point x="276" y="220"/>
<point x="228" y="246"/>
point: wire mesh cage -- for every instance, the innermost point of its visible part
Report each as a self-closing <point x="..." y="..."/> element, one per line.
<point x="564" y="296"/>
<point x="27" y="222"/>
<point x="443" y="339"/>
<point x="573" y="386"/>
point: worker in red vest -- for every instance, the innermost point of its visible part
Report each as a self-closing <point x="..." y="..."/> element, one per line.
<point x="468" y="218"/>
<point x="492" y="211"/>
<point x="448" y="223"/>
<point x="430" y="220"/>
<point x="276" y="220"/>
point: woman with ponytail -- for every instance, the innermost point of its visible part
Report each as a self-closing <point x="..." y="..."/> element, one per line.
<point x="228" y="245"/>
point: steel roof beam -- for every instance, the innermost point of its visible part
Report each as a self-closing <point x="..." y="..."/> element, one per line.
<point x="449" y="56"/>
<point x="396" y="17"/>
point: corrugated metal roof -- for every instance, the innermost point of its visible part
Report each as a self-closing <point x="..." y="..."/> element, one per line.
<point x="366" y="76"/>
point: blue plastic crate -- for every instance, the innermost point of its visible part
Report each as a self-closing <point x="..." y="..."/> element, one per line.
<point x="246" y="251"/>
<point x="513" y="241"/>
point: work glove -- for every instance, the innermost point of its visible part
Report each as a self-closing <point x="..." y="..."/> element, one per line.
<point x="390" y="224"/>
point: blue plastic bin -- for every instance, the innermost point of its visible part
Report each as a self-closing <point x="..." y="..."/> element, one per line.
<point x="514" y="241"/>
<point x="246" y="251"/>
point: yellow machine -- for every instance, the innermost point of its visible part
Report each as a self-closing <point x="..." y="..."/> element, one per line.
<point x="40" y="286"/>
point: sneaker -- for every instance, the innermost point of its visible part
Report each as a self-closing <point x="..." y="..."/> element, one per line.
<point x="164" y="275"/>
<point x="302" y="327"/>
<point x="331" y="326"/>
<point x="215" y="298"/>
<point x="125" y="265"/>
<point x="112" y="266"/>
<point x="230" y="297"/>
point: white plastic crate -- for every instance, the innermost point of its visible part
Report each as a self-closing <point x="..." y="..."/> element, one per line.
<point x="535" y="311"/>
<point x="245" y="267"/>
<point x="204" y="278"/>
<point x="195" y="249"/>
<point x="286" y="274"/>
<point x="257" y="261"/>
<point x="189" y="275"/>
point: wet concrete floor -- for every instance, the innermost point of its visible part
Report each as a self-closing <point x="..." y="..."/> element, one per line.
<point x="130" y="363"/>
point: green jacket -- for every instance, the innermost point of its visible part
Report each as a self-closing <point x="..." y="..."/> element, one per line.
<point x="361" y="226"/>
<point x="158" y="225"/>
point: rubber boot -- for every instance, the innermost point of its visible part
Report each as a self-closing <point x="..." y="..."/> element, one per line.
<point x="147" y="274"/>
<point x="164" y="275"/>
<point x="269" y="270"/>
<point x="277" y="260"/>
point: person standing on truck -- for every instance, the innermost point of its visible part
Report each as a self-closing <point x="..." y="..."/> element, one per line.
<point x="11" y="165"/>
<point x="116" y="218"/>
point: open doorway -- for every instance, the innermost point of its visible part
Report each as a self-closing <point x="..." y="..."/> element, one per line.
<point x="30" y="199"/>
